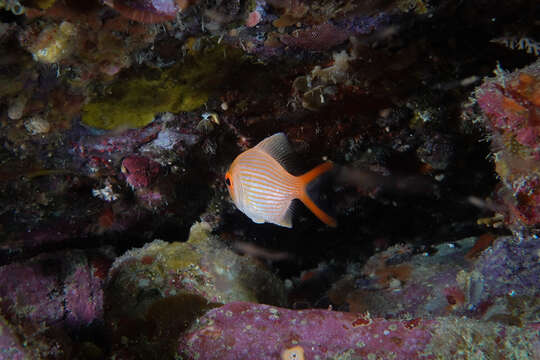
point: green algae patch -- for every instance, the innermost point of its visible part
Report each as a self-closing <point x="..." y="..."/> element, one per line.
<point x="134" y="100"/>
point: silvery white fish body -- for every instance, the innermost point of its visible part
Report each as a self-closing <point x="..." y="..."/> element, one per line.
<point x="263" y="190"/>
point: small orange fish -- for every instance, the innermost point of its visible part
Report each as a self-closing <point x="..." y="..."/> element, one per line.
<point x="263" y="190"/>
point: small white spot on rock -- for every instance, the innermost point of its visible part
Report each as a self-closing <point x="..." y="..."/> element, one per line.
<point x="36" y="125"/>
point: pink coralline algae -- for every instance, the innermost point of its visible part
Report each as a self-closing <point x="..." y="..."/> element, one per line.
<point x="327" y="35"/>
<point x="10" y="345"/>
<point x="319" y="37"/>
<point x="84" y="304"/>
<point x="57" y="288"/>
<point x="119" y="118"/>
<point x="251" y="331"/>
<point x="147" y="11"/>
<point x="24" y="288"/>
<point x="140" y="172"/>
<point x="394" y="283"/>
<point x="511" y="107"/>
<point x="161" y="144"/>
<point x="108" y="146"/>
<point x="45" y="298"/>
<point x="253" y="19"/>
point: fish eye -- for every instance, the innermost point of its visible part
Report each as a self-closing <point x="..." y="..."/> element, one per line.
<point x="228" y="180"/>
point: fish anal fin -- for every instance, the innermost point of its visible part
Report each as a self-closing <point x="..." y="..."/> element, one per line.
<point x="278" y="147"/>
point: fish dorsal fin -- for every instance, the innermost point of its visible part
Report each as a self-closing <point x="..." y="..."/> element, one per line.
<point x="278" y="147"/>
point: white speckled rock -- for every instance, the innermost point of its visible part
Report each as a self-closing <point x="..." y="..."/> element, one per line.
<point x="36" y="125"/>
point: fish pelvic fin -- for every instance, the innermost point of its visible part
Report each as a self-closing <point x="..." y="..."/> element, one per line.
<point x="308" y="201"/>
<point x="287" y="219"/>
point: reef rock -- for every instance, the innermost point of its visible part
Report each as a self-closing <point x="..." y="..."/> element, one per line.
<point x="48" y="296"/>
<point x="510" y="105"/>
<point x="250" y="331"/>
<point x="483" y="278"/>
<point x="155" y="292"/>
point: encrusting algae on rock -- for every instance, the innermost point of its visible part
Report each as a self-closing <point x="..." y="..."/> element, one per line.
<point x="162" y="287"/>
<point x="510" y="109"/>
<point x="133" y="101"/>
<point x="55" y="43"/>
<point x="120" y="118"/>
<point x="265" y="332"/>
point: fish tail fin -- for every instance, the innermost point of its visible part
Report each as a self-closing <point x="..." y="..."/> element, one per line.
<point x="310" y="194"/>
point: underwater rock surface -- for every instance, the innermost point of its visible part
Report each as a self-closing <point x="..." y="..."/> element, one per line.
<point x="510" y="104"/>
<point x="120" y="118"/>
<point x="49" y="296"/>
<point x="155" y="292"/>
<point x="243" y="330"/>
<point x="481" y="278"/>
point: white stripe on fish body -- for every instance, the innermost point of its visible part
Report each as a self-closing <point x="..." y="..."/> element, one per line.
<point x="263" y="189"/>
<point x="259" y="214"/>
<point x="266" y="188"/>
<point x="250" y="177"/>
<point x="269" y="176"/>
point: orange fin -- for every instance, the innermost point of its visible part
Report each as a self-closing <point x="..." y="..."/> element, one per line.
<point x="306" y="199"/>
